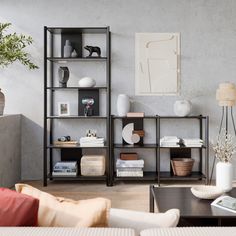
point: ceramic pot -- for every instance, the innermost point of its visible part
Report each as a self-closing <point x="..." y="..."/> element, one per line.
<point x="87" y="82"/>
<point x="63" y="73"/>
<point x="74" y="53"/>
<point x="224" y="175"/>
<point x="2" y="102"/>
<point x="123" y="104"/>
<point x="182" y="107"/>
<point x="67" y="49"/>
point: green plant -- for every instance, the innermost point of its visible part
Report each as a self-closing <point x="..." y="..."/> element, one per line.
<point x="12" y="48"/>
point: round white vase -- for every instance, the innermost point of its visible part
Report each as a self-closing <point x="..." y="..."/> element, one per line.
<point x="2" y="102"/>
<point x="123" y="104"/>
<point x="224" y="175"/>
<point x="182" y="107"/>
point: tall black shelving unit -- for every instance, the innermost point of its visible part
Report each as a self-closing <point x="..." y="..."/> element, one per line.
<point x="49" y="93"/>
<point x="158" y="175"/>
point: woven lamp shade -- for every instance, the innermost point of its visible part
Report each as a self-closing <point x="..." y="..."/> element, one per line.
<point x="226" y="94"/>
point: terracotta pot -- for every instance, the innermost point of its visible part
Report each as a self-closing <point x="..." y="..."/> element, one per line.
<point x="2" y="102"/>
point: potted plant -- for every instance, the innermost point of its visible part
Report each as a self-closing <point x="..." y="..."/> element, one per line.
<point x="12" y="48"/>
<point x="224" y="150"/>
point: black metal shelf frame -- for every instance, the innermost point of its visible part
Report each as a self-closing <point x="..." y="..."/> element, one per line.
<point x="159" y="175"/>
<point x="49" y="90"/>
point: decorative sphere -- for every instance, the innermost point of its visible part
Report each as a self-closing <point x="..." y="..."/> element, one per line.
<point x="182" y="108"/>
<point x="87" y="82"/>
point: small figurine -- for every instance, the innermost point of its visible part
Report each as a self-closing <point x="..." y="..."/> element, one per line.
<point x="93" y="49"/>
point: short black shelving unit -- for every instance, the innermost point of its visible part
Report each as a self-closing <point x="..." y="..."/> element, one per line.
<point x="158" y="175"/>
<point x="76" y="33"/>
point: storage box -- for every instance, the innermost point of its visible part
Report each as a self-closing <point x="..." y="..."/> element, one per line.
<point x="92" y="165"/>
<point x="128" y="156"/>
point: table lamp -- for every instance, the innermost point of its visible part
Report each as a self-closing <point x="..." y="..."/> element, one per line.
<point x="226" y="97"/>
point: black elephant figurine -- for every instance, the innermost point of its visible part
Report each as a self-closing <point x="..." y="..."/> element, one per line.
<point x="93" y="49"/>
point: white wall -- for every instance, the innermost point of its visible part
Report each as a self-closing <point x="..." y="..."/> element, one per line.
<point x="208" y="48"/>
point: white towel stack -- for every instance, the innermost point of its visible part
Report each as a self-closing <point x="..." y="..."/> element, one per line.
<point x="130" y="168"/>
<point x="169" y="141"/>
<point x="91" y="142"/>
<point x="192" y="142"/>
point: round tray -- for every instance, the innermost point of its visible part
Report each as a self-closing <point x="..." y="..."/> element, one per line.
<point x="206" y="192"/>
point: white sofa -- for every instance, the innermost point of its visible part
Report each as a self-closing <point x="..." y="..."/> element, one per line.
<point x="187" y="231"/>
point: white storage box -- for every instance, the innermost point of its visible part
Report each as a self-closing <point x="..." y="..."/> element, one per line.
<point x="92" y="165"/>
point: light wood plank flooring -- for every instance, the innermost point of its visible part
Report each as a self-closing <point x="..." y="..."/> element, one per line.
<point x="133" y="196"/>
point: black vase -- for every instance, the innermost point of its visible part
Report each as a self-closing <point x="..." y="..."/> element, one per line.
<point x="64" y="74"/>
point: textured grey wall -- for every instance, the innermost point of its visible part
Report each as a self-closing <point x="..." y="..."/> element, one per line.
<point x="10" y="146"/>
<point x="208" y="49"/>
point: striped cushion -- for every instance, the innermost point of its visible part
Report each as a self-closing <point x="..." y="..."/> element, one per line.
<point x="53" y="231"/>
<point x="191" y="231"/>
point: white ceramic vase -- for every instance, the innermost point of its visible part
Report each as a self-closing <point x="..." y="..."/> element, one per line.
<point x="123" y="104"/>
<point x="224" y="175"/>
<point x="182" y="107"/>
<point x="2" y="102"/>
<point x="67" y="49"/>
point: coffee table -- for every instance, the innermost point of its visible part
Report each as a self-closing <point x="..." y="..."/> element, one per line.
<point x="193" y="211"/>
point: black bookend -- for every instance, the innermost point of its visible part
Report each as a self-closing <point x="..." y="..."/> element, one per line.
<point x="72" y="154"/>
<point x="89" y="102"/>
<point x="179" y="153"/>
<point x="138" y="125"/>
<point x="75" y="40"/>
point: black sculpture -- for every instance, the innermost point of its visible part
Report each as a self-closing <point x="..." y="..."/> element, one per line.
<point x="93" y="49"/>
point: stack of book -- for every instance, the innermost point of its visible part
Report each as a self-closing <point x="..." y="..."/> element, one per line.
<point x="193" y="142"/>
<point x="68" y="168"/>
<point x="135" y="114"/>
<point x="91" y="142"/>
<point x="66" y="143"/>
<point x="131" y="168"/>
<point x="170" y="141"/>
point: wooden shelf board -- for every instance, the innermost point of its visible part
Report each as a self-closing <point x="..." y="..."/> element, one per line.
<point x="122" y="117"/>
<point x="74" y="146"/>
<point x="147" y="175"/>
<point x="71" y="59"/>
<point x="77" y="30"/>
<point x="79" y="177"/>
<point x="196" y="175"/>
<point x="117" y="145"/>
<point x="77" y="117"/>
<point x="77" y="88"/>
<point x="181" y="147"/>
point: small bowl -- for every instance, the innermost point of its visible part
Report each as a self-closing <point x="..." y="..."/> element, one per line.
<point x="206" y="192"/>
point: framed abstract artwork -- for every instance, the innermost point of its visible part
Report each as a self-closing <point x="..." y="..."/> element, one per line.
<point x="157" y="64"/>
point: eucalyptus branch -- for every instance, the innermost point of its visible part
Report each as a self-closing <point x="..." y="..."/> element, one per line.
<point x="225" y="147"/>
<point x="12" y="48"/>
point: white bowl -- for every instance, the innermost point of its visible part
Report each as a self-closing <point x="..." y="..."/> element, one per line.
<point x="206" y="192"/>
<point x="87" y="82"/>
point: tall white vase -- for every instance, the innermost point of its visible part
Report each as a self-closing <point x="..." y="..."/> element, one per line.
<point x="123" y="104"/>
<point x="224" y="175"/>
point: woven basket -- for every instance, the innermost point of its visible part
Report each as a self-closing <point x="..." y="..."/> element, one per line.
<point x="182" y="166"/>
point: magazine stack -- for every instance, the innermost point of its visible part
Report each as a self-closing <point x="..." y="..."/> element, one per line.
<point x="68" y="168"/>
<point x="130" y="168"/>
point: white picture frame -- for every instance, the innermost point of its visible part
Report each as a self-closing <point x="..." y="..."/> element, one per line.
<point x="157" y="64"/>
<point x="63" y="109"/>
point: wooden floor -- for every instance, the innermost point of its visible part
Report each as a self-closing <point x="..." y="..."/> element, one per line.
<point x="122" y="195"/>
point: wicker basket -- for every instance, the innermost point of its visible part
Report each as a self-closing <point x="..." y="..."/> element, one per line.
<point x="182" y="166"/>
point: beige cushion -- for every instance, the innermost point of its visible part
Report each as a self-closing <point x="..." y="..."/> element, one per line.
<point x="53" y="231"/>
<point x="191" y="231"/>
<point x="55" y="211"/>
<point x="139" y="221"/>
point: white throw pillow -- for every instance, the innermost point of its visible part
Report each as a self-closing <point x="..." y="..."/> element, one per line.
<point x="139" y="221"/>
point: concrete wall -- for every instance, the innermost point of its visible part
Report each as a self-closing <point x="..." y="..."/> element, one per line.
<point x="208" y="49"/>
<point x="10" y="146"/>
